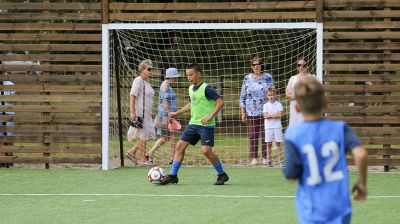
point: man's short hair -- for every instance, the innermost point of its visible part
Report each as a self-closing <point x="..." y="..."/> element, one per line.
<point x="196" y="67"/>
<point x="309" y="94"/>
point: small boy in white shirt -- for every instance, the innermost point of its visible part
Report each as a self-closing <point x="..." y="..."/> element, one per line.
<point x="273" y="127"/>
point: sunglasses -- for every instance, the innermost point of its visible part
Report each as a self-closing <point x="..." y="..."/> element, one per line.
<point x="256" y="64"/>
<point x="301" y="65"/>
<point x="149" y="69"/>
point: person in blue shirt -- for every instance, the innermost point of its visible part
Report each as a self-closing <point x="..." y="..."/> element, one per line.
<point x="316" y="157"/>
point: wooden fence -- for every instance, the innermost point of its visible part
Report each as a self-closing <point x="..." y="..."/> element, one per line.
<point x="61" y="106"/>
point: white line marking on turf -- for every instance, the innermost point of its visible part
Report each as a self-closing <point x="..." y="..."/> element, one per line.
<point x="88" y="200"/>
<point x="186" y="195"/>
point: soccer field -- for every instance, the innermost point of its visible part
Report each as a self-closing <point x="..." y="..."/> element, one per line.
<point x="253" y="195"/>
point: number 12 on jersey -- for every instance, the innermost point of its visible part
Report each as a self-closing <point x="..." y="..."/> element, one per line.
<point x="329" y="150"/>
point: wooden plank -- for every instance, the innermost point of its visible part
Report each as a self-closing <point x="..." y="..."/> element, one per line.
<point x="363" y="99"/>
<point x="368" y="119"/>
<point x="361" y="14"/>
<point x="53" y="88"/>
<point x="52" y="139"/>
<point x="378" y="162"/>
<point x="49" y="37"/>
<point x="362" y="88"/>
<point x="377" y="130"/>
<point x="51" y="26"/>
<point x="362" y="3"/>
<point x="380" y="140"/>
<point x="212" y="16"/>
<point x="54" y="119"/>
<point x="361" y="25"/>
<point x="373" y="151"/>
<point x="361" y="67"/>
<point x="361" y="78"/>
<point x="51" y="98"/>
<point x="319" y="11"/>
<point x="51" y="108"/>
<point x="89" y="16"/>
<point x="361" y="46"/>
<point x="105" y="7"/>
<point x="74" y="160"/>
<point x="362" y="57"/>
<point x="51" y="6"/>
<point x="51" y="68"/>
<point x="51" y="47"/>
<point x="52" y="57"/>
<point x="361" y="35"/>
<point x="394" y="110"/>
<point x="214" y="6"/>
<point x="79" y="79"/>
<point x="51" y="149"/>
<point x="58" y="129"/>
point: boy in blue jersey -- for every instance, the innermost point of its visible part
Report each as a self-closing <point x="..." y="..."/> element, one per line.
<point x="204" y="104"/>
<point x="316" y="157"/>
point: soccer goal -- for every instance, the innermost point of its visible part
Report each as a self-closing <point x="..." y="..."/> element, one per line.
<point x="224" y="50"/>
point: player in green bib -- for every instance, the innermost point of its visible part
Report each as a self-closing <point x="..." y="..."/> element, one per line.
<point x="204" y="104"/>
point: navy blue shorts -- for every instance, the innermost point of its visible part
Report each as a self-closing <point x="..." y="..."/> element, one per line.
<point x="193" y="133"/>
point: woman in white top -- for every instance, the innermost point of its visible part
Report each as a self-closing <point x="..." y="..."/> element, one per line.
<point x="141" y="90"/>
<point x="302" y="69"/>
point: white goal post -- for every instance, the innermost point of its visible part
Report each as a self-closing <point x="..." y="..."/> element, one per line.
<point x="106" y="28"/>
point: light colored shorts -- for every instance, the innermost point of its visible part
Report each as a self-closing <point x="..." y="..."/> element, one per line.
<point x="273" y="135"/>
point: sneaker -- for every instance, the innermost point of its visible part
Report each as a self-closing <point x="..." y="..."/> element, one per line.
<point x="170" y="179"/>
<point x="253" y="162"/>
<point x="280" y="164"/>
<point x="222" y="178"/>
<point x="131" y="158"/>
<point x="264" y="161"/>
<point x="267" y="163"/>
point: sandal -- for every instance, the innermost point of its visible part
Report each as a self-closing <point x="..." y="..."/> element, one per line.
<point x="131" y="158"/>
<point x="149" y="158"/>
<point x="145" y="163"/>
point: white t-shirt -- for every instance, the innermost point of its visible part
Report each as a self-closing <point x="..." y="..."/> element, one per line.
<point x="273" y="108"/>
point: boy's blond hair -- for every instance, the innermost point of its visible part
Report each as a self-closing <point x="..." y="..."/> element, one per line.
<point x="309" y="94"/>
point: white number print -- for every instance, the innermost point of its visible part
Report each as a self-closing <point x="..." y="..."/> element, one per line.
<point x="328" y="149"/>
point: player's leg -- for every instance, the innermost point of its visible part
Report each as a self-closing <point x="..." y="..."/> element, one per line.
<point x="189" y="136"/>
<point x="279" y="153"/>
<point x="172" y="146"/>
<point x="278" y="142"/>
<point x="269" y="137"/>
<point x="253" y="140"/>
<point x="160" y="142"/>
<point x="131" y="153"/>
<point x="263" y="141"/>
<point x="142" y="150"/>
<point x="207" y="142"/>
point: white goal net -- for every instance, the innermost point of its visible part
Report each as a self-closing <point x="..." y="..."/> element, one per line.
<point x="224" y="52"/>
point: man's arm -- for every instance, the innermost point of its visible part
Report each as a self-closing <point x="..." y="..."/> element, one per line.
<point x="132" y="101"/>
<point x="180" y="111"/>
<point x="293" y="165"/>
<point x="361" y="160"/>
<point x="360" y="156"/>
<point x="219" y="103"/>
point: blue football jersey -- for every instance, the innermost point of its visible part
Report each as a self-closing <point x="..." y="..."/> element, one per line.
<point x="323" y="185"/>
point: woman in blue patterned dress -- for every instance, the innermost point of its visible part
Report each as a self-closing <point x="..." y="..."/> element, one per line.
<point x="252" y="99"/>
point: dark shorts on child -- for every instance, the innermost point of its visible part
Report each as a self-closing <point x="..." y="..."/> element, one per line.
<point x="193" y="133"/>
